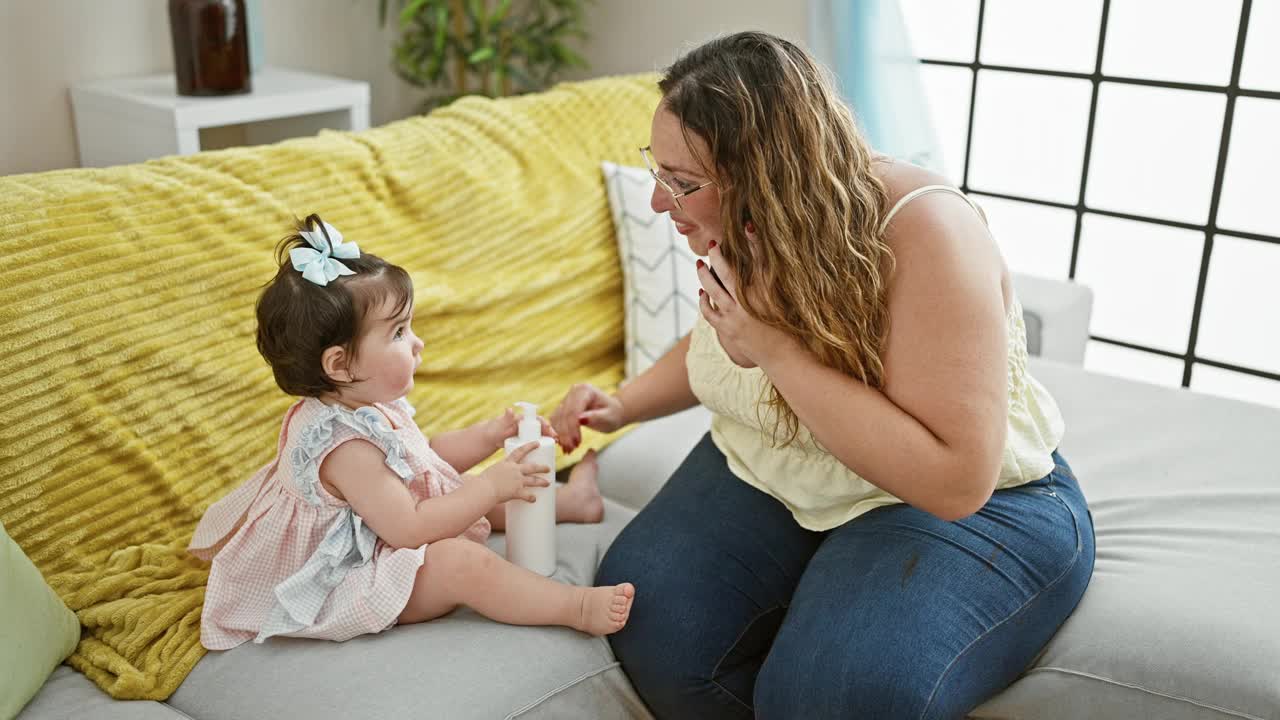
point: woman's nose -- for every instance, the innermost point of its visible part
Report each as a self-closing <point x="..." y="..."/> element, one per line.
<point x="660" y="200"/>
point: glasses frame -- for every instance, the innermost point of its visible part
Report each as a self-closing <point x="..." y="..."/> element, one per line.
<point x="646" y="152"/>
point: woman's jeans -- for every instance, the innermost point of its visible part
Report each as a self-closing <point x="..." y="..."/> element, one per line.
<point x="739" y="611"/>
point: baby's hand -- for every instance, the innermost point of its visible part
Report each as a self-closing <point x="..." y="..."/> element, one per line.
<point x="501" y="428"/>
<point x="512" y="478"/>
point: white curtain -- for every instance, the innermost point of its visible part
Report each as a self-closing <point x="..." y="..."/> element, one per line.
<point x="865" y="44"/>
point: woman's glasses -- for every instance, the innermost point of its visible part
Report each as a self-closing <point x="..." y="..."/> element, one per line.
<point x="647" y="153"/>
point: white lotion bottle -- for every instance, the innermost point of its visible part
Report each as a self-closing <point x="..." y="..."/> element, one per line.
<point x="531" y="526"/>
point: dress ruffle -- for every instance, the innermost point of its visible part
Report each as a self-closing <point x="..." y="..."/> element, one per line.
<point x="348" y="543"/>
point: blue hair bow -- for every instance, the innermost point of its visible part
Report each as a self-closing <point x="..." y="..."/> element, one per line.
<point x="318" y="265"/>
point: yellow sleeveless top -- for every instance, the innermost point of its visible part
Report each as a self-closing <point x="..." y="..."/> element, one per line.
<point x="821" y="492"/>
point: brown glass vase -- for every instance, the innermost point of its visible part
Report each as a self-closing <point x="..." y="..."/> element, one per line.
<point x="210" y="46"/>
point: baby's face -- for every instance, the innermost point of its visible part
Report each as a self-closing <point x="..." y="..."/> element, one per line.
<point x="386" y="355"/>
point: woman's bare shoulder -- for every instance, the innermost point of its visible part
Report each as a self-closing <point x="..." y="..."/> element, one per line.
<point x="901" y="177"/>
<point x="936" y="226"/>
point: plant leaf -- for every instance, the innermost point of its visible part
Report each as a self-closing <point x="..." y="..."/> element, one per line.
<point x="410" y="11"/>
<point x="441" y="32"/>
<point x="500" y="13"/>
<point x="487" y="46"/>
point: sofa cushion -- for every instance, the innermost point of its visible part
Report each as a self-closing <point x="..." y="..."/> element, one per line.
<point x="1056" y="315"/>
<point x="459" y="666"/>
<point x="37" y="631"/>
<point x="660" y="280"/>
<point x="1179" y="620"/>
<point x="636" y="466"/>
<point x="69" y="694"/>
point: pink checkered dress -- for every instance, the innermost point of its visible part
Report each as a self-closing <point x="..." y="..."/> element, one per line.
<point x="291" y="559"/>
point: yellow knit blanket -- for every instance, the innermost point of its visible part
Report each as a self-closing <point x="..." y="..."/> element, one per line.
<point x="133" y="395"/>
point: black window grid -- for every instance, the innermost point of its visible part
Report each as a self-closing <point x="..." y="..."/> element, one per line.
<point x="1210" y="229"/>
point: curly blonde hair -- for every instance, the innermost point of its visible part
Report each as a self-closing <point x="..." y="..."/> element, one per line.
<point x="789" y="159"/>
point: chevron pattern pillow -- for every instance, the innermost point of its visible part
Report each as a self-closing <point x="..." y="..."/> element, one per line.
<point x="660" y="282"/>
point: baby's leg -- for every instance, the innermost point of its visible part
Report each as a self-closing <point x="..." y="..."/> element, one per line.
<point x="461" y="572"/>
<point x="577" y="501"/>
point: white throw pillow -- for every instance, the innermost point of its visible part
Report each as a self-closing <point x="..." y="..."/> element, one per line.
<point x="660" y="280"/>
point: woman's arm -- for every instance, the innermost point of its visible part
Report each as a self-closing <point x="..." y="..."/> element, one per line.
<point x="938" y="467"/>
<point x="661" y="390"/>
<point x="934" y="436"/>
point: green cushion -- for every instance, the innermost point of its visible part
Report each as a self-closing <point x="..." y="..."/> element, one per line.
<point x="37" y="631"/>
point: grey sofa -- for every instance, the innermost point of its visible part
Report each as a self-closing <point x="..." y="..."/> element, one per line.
<point x="1179" y="622"/>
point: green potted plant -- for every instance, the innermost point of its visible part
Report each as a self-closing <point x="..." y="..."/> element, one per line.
<point x="485" y="47"/>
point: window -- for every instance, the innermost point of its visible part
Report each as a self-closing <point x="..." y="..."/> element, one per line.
<point x="1139" y="157"/>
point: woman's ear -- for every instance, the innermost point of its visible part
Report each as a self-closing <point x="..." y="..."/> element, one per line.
<point x="334" y="361"/>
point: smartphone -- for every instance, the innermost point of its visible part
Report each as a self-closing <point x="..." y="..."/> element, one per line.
<point x="717" y="277"/>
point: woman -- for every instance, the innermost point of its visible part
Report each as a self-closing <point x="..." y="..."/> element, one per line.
<point x="878" y="524"/>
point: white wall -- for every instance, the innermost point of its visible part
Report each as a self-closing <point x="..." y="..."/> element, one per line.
<point x="48" y="45"/>
<point x="629" y="36"/>
<point x="44" y="46"/>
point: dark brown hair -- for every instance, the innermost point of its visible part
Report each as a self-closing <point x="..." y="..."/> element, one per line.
<point x="298" y="319"/>
<point x="788" y="158"/>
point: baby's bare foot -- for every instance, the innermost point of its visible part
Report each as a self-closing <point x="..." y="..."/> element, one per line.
<point x="579" y="501"/>
<point x="605" y="609"/>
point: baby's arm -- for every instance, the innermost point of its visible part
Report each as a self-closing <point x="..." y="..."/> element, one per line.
<point x="357" y="469"/>
<point x="464" y="448"/>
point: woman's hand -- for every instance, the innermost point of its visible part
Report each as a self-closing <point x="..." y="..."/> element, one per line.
<point x="747" y="341"/>
<point x="512" y="478"/>
<point x="588" y="405"/>
<point x="507" y="425"/>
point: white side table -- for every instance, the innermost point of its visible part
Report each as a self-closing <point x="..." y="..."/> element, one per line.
<point x="126" y="120"/>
